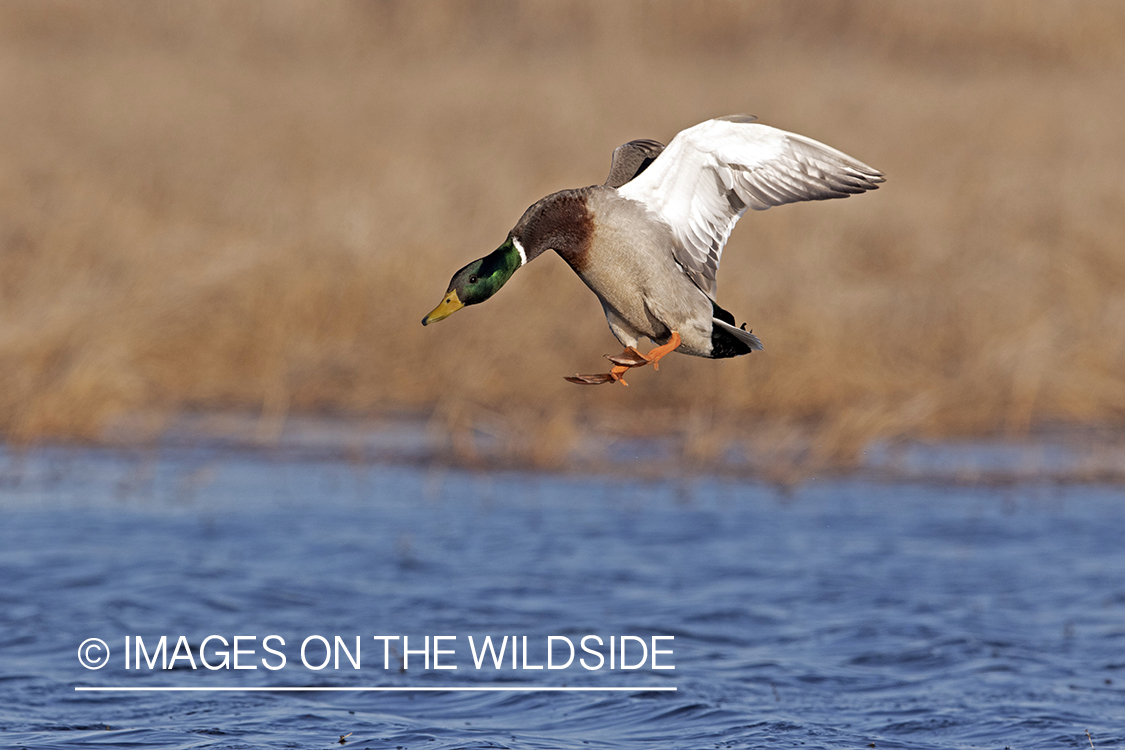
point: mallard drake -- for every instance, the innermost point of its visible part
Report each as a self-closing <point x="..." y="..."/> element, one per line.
<point x="648" y="241"/>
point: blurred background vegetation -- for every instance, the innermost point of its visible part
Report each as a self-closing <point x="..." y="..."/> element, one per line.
<point x="249" y="207"/>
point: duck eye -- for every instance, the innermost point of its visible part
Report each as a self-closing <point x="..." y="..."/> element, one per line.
<point x="473" y="279"/>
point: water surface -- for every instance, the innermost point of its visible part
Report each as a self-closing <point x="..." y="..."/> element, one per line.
<point x="838" y="615"/>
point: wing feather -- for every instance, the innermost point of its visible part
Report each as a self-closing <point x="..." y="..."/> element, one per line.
<point x="706" y="178"/>
<point x="630" y="159"/>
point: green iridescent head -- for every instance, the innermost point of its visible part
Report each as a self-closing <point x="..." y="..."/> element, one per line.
<point x="479" y="280"/>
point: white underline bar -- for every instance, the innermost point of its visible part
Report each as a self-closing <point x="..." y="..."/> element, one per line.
<point x="298" y="689"/>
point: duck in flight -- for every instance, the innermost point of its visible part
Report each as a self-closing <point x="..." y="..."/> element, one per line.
<point x="648" y="242"/>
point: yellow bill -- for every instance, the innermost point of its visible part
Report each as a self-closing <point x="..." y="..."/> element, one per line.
<point x="448" y="306"/>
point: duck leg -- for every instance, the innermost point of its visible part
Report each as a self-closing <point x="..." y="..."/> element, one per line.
<point x="625" y="360"/>
<point x="633" y="358"/>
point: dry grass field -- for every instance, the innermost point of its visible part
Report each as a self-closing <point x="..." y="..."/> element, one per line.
<point x="250" y="206"/>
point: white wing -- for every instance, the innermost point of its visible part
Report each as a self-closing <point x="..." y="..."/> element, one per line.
<point x="711" y="173"/>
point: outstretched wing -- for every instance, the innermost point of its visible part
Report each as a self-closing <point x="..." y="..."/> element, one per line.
<point x="630" y="159"/>
<point x="710" y="174"/>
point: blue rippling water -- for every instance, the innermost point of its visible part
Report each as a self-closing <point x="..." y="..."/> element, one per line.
<point x="836" y="616"/>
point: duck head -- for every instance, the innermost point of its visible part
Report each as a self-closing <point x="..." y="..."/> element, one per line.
<point x="479" y="280"/>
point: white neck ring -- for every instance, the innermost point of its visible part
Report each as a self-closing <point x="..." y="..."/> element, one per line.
<point x="519" y="247"/>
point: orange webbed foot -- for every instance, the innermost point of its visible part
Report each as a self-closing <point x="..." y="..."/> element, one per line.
<point x="628" y="358"/>
<point x="598" y="379"/>
<point x="624" y="361"/>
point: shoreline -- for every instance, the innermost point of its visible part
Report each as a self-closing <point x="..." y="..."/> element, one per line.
<point x="1064" y="455"/>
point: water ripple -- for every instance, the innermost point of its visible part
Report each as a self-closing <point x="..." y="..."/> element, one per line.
<point x="841" y="615"/>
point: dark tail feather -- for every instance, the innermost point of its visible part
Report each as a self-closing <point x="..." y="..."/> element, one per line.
<point x="743" y="341"/>
<point x="726" y="339"/>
